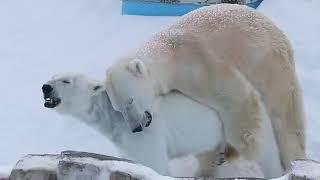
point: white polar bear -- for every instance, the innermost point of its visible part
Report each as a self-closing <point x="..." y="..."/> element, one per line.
<point x="228" y="57"/>
<point x="173" y="133"/>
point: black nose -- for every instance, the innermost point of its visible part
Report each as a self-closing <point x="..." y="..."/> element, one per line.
<point x="46" y="89"/>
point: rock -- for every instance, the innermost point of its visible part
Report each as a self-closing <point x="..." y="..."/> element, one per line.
<point x="74" y="165"/>
<point x="77" y="154"/>
<point x="37" y="174"/>
<point x="69" y="165"/>
<point x="121" y="176"/>
<point x="78" y="171"/>
<point x="36" y="167"/>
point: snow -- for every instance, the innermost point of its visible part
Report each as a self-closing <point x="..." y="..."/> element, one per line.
<point x="306" y="168"/>
<point x="48" y="162"/>
<point x="41" y="38"/>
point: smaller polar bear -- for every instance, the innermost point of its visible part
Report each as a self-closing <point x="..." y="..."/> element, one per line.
<point x="173" y="133"/>
<point x="230" y="58"/>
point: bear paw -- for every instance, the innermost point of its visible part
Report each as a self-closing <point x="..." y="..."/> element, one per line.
<point x="219" y="159"/>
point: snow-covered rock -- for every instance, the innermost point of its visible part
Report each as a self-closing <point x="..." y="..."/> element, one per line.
<point x="73" y="165"/>
<point x="36" y="167"/>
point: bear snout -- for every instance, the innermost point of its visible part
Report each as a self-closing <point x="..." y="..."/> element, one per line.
<point x="46" y="89"/>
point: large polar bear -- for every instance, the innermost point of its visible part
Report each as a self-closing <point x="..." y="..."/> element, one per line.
<point x="173" y="133"/>
<point x="228" y="57"/>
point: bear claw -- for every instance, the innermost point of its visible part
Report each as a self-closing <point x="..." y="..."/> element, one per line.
<point x="220" y="159"/>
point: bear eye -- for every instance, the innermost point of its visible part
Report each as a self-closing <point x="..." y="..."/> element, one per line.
<point x="97" y="87"/>
<point x="66" y="81"/>
<point x="130" y="101"/>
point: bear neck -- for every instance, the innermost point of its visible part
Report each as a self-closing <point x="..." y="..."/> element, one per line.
<point x="170" y="75"/>
<point x="101" y="116"/>
<point x="162" y="76"/>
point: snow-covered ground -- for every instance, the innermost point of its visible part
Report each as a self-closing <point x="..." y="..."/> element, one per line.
<point x="40" y="38"/>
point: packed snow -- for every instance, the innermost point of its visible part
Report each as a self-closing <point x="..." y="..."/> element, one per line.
<point x="39" y="39"/>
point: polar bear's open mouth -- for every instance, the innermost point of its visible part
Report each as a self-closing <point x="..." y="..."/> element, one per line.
<point x="51" y="102"/>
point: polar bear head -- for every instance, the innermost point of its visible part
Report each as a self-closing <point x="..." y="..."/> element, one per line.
<point x="70" y="93"/>
<point x="132" y="91"/>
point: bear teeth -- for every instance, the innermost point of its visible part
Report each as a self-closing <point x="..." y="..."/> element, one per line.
<point x="49" y="100"/>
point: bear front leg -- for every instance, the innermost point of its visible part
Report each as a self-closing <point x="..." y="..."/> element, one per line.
<point x="240" y="109"/>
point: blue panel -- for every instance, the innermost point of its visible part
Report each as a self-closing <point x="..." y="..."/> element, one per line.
<point x="156" y="9"/>
<point x="146" y="8"/>
<point x="254" y="4"/>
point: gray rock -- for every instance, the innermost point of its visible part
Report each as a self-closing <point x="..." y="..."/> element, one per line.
<point x="77" y="154"/>
<point x="77" y="171"/>
<point x="74" y="165"/>
<point x="36" y="174"/>
<point x="35" y="167"/>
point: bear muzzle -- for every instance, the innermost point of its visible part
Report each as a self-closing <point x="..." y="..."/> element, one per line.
<point x="48" y="95"/>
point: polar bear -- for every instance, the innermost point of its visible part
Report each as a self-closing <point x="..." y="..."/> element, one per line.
<point x="228" y="57"/>
<point x="173" y="133"/>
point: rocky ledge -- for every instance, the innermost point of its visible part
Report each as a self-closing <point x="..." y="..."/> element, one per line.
<point x="73" y="165"/>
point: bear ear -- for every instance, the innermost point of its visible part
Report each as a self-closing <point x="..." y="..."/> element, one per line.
<point x="137" y="67"/>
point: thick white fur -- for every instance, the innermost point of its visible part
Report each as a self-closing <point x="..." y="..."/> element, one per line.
<point x="181" y="126"/>
<point x="230" y="58"/>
